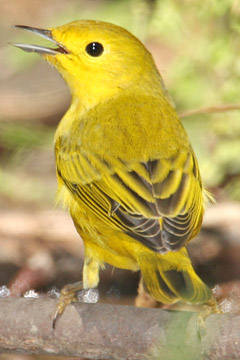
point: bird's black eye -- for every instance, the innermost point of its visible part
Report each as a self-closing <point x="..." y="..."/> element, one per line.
<point x="94" y="49"/>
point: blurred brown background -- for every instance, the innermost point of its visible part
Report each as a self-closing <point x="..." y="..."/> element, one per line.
<point x="196" y="46"/>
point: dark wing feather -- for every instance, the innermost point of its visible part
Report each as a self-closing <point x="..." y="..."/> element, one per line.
<point x="158" y="203"/>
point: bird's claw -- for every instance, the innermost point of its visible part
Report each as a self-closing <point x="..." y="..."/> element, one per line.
<point x="211" y="307"/>
<point x="67" y="296"/>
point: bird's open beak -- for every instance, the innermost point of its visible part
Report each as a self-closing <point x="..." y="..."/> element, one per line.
<point x="47" y="34"/>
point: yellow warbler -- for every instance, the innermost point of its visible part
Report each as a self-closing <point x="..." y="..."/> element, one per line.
<point x="125" y="166"/>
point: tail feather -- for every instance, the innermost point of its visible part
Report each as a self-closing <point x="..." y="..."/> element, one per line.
<point x="171" y="278"/>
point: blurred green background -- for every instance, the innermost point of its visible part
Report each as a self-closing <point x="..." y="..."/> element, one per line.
<point x="196" y="46"/>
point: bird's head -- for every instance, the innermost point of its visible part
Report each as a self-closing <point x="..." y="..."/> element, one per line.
<point x="96" y="59"/>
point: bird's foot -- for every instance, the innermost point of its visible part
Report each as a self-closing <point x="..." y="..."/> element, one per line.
<point x="68" y="295"/>
<point x="209" y="308"/>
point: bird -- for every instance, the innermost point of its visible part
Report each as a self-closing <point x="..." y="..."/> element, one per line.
<point x="125" y="166"/>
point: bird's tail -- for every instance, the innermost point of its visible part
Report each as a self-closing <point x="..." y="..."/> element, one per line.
<point x="170" y="277"/>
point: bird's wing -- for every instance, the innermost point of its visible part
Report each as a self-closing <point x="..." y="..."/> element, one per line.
<point x="158" y="202"/>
